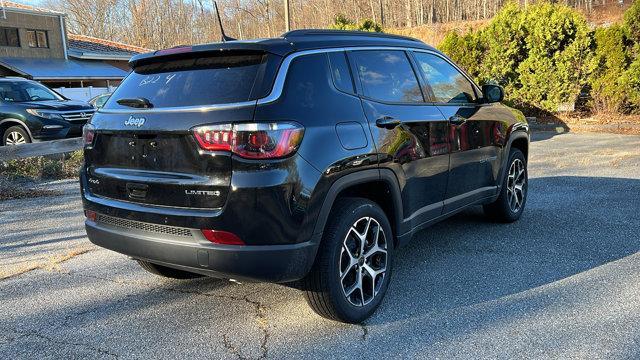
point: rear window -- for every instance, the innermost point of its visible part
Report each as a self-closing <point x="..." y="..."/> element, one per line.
<point x="197" y="81"/>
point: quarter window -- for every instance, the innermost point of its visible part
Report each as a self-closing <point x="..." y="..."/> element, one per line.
<point x="340" y="72"/>
<point x="446" y="82"/>
<point x="387" y="76"/>
<point x="9" y="37"/>
<point x="37" y="38"/>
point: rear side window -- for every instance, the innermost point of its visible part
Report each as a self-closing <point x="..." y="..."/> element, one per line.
<point x="194" y="81"/>
<point x="340" y="72"/>
<point x="447" y="83"/>
<point x="387" y="76"/>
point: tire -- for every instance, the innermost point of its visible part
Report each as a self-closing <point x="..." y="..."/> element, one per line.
<point x="167" y="271"/>
<point x="340" y="253"/>
<point x="15" y="135"/>
<point x="513" y="192"/>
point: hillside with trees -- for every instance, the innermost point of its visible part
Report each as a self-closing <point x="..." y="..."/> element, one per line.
<point x="158" y="24"/>
<point x="548" y="56"/>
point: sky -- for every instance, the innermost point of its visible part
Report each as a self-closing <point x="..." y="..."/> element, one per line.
<point x="30" y="2"/>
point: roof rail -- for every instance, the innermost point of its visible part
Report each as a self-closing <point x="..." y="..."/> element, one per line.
<point x="331" y="32"/>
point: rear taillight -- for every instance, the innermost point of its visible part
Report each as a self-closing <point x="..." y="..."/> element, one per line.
<point x="214" y="137"/>
<point x="252" y="140"/>
<point x="88" y="134"/>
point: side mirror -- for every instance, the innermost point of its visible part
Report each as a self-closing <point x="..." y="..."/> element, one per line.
<point x="492" y="93"/>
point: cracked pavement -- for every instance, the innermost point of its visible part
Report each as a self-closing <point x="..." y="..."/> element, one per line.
<point x="563" y="282"/>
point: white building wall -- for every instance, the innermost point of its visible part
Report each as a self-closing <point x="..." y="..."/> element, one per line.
<point x="85" y="93"/>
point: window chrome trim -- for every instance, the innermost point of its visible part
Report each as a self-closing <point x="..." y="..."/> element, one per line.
<point x="278" y="85"/>
<point x="276" y="90"/>
<point x="194" y="108"/>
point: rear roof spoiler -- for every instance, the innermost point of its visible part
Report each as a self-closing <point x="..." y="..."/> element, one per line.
<point x="296" y="40"/>
<point x="276" y="46"/>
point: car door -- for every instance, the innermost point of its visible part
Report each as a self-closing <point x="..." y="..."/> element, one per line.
<point x="409" y="133"/>
<point x="475" y="134"/>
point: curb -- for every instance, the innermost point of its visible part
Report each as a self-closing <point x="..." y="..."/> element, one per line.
<point x="40" y="149"/>
<point x="626" y="128"/>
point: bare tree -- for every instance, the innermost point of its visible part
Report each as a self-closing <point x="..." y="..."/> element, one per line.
<point x="166" y="23"/>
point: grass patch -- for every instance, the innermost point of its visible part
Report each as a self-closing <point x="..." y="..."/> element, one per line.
<point x="54" y="167"/>
<point x="50" y="263"/>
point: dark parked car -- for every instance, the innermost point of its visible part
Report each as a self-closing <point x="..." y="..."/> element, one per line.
<point x="30" y="111"/>
<point x="306" y="159"/>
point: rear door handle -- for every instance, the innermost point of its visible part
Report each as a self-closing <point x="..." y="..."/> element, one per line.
<point x="387" y="122"/>
<point x="457" y="120"/>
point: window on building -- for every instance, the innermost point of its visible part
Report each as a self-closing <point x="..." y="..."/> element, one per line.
<point x="9" y="37"/>
<point x="37" y="38"/>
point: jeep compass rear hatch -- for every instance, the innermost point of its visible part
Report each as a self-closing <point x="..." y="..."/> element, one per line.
<point x="143" y="146"/>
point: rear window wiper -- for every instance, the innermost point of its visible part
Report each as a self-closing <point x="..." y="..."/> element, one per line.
<point x="135" y="102"/>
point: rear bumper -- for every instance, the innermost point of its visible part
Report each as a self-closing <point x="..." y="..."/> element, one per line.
<point x="268" y="263"/>
<point x="267" y="204"/>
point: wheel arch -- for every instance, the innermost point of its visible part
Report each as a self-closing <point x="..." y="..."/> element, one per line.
<point x="520" y="140"/>
<point x="378" y="185"/>
<point x="9" y="122"/>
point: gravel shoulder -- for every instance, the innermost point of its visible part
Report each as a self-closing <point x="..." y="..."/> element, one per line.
<point x="563" y="282"/>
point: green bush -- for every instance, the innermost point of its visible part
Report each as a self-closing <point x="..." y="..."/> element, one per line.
<point x="631" y="81"/>
<point x="611" y="60"/>
<point x="341" y="22"/>
<point x="615" y="82"/>
<point x="63" y="166"/>
<point x="631" y="77"/>
<point x="466" y="50"/>
<point x="504" y="47"/>
<point x="539" y="54"/>
<point x="557" y="65"/>
<point x="632" y="21"/>
<point x="370" y="25"/>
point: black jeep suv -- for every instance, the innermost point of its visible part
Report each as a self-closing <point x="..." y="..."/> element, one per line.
<point x="305" y="159"/>
<point x="30" y="111"/>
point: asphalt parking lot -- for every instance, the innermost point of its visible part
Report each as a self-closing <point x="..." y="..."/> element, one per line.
<point x="563" y="282"/>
